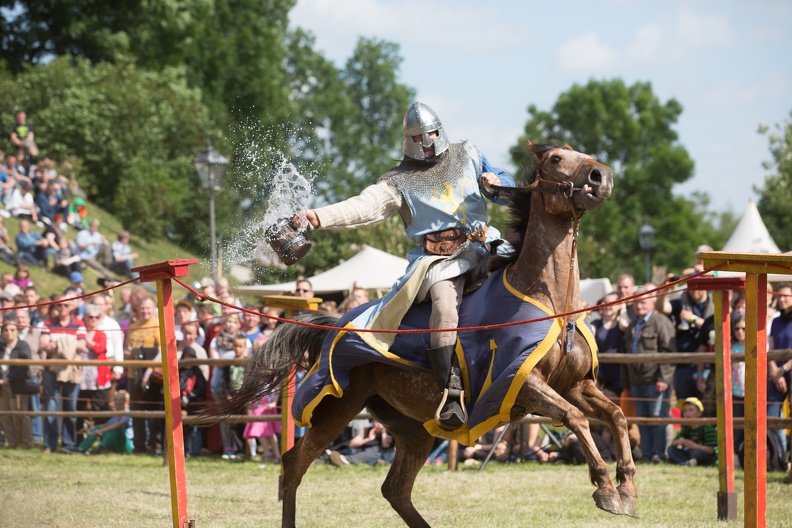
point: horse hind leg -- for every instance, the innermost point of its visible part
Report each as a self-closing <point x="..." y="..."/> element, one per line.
<point x="594" y="404"/>
<point x="328" y="421"/>
<point x="413" y="445"/>
<point x="538" y="396"/>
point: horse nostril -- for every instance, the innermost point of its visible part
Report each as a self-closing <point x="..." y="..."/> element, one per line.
<point x="595" y="176"/>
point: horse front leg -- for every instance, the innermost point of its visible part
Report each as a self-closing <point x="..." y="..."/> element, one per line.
<point x="328" y="421"/>
<point x="594" y="404"/>
<point x="538" y="396"/>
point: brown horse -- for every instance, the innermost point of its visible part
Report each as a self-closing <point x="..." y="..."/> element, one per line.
<point x="565" y="185"/>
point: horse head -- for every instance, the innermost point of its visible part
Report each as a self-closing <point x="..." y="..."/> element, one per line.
<point x="580" y="182"/>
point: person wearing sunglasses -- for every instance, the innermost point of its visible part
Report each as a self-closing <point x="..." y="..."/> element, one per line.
<point x="738" y="375"/>
<point x="304" y="289"/>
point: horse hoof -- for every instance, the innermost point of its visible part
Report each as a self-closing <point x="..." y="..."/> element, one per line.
<point x="610" y="503"/>
<point x="628" y="505"/>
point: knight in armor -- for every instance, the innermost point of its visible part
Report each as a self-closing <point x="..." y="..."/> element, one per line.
<point x="439" y="190"/>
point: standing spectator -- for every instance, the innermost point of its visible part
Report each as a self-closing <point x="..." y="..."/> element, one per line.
<point x="15" y="386"/>
<point x="304" y="289"/>
<point x="61" y="336"/>
<point x="24" y="139"/>
<point x="625" y="287"/>
<point x="694" y="446"/>
<point x="251" y="326"/>
<point x="184" y="314"/>
<point x="190" y="340"/>
<point x="111" y="328"/>
<point x="123" y="256"/>
<point x="232" y="380"/>
<point x="94" y="251"/>
<point x="32" y="336"/>
<point x="650" y="333"/>
<point x="223" y="347"/>
<point x="264" y="433"/>
<point x="32" y="298"/>
<point x="780" y="339"/>
<point x="689" y="312"/>
<point x="143" y="342"/>
<point x="6" y="253"/>
<point x="96" y="381"/>
<point x="609" y="337"/>
<point x="32" y="248"/>
<point x="192" y="384"/>
<point x="738" y="376"/>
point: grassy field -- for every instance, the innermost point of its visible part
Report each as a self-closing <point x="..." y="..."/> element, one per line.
<point x="132" y="491"/>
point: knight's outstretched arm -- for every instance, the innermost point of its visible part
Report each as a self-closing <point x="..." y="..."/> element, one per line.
<point x="376" y="203"/>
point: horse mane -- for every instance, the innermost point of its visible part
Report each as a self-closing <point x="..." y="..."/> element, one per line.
<point x="520" y="203"/>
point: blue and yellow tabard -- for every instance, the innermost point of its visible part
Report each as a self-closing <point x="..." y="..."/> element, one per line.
<point x="495" y="362"/>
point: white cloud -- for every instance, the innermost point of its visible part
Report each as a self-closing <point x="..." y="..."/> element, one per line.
<point x="658" y="43"/>
<point x="586" y="55"/>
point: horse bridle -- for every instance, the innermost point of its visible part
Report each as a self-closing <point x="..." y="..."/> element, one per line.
<point x="567" y="189"/>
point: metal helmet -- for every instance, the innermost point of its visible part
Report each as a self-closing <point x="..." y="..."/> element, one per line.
<point x="420" y="120"/>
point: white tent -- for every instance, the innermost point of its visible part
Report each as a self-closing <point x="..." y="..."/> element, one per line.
<point x="751" y="235"/>
<point x="371" y="269"/>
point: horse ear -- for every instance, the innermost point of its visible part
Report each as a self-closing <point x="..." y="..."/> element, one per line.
<point x="532" y="146"/>
<point x="566" y="146"/>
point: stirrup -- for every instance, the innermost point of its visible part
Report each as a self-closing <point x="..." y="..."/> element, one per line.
<point x="455" y="416"/>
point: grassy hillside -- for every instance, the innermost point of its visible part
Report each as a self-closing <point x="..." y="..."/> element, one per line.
<point x="150" y="251"/>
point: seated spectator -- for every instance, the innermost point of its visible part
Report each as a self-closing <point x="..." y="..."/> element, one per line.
<point x="475" y="454"/>
<point x="7" y="186"/>
<point x="21" y="203"/>
<point x="6" y="253"/>
<point x="77" y="214"/>
<point x="51" y="202"/>
<point x="123" y="256"/>
<point x="76" y="284"/>
<point x="94" y="250"/>
<point x="115" y="436"/>
<point x="371" y="445"/>
<point x="32" y="248"/>
<point x="694" y="446"/>
<point x="66" y="260"/>
<point x="22" y="277"/>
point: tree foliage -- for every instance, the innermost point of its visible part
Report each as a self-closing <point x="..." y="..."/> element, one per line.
<point x="776" y="195"/>
<point x="629" y="129"/>
<point x="133" y="132"/>
<point x="130" y="90"/>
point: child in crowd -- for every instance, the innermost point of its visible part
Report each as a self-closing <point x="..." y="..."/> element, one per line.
<point x="192" y="384"/>
<point x="232" y="378"/>
<point x="694" y="446"/>
<point x="264" y="432"/>
<point x="22" y="277"/>
<point x="115" y="435"/>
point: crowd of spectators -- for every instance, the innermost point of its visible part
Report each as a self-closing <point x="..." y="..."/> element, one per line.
<point x="55" y="232"/>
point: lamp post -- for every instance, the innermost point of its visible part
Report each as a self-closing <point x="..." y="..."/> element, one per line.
<point x="646" y="234"/>
<point x="210" y="166"/>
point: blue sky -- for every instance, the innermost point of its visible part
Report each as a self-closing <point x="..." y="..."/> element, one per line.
<point x="480" y="66"/>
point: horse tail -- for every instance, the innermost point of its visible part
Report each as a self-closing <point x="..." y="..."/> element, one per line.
<point x="289" y="346"/>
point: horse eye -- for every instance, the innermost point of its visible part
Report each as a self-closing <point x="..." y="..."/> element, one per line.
<point x="555" y="160"/>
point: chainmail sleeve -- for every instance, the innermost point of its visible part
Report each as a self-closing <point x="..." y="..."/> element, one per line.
<point x="376" y="203"/>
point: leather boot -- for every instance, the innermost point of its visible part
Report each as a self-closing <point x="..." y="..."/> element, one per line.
<point x="451" y="414"/>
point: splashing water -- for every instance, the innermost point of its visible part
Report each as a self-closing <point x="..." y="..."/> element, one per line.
<point x="264" y="168"/>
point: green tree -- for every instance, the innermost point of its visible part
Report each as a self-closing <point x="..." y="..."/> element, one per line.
<point x="776" y="195"/>
<point x="629" y="129"/>
<point x="133" y="133"/>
